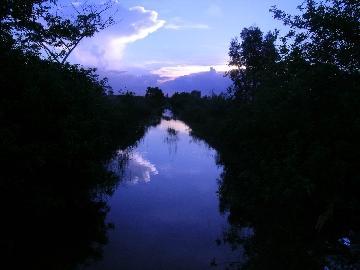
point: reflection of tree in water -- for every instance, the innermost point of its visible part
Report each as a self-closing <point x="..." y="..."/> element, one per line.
<point x="171" y="139"/>
<point x="119" y="163"/>
<point x="284" y="231"/>
<point x="53" y="211"/>
<point x="57" y="220"/>
<point x="131" y="166"/>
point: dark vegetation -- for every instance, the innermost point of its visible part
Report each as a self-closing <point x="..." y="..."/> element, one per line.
<point x="59" y="126"/>
<point x="155" y="96"/>
<point x="287" y="133"/>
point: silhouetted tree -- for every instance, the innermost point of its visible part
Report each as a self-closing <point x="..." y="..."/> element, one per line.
<point x="196" y="93"/>
<point x="59" y="126"/>
<point x="37" y="26"/>
<point x="325" y="32"/>
<point x="253" y="58"/>
<point x="288" y="139"/>
<point x="156" y="96"/>
<point x="154" y="92"/>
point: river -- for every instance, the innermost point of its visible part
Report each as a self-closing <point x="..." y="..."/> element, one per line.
<point x="165" y="210"/>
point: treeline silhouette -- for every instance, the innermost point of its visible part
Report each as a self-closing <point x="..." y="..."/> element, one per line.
<point x="60" y="124"/>
<point x="287" y="133"/>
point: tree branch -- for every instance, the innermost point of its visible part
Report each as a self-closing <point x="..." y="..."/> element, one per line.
<point x="71" y="50"/>
<point x="49" y="52"/>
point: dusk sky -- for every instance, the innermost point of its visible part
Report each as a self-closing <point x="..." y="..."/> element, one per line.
<point x="155" y="41"/>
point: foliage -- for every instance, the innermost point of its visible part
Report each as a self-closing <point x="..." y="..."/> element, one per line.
<point x="288" y="139"/>
<point x="326" y="32"/>
<point x="255" y="60"/>
<point x="155" y="95"/>
<point x="41" y="26"/>
<point x="59" y="128"/>
<point x="60" y="125"/>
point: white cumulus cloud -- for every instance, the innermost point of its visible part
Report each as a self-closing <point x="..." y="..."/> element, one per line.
<point x="106" y="49"/>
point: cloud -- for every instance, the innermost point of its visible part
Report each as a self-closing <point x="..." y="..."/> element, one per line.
<point x="137" y="83"/>
<point x="179" y="24"/>
<point x="174" y="26"/>
<point x="139" y="25"/>
<point x="176" y="125"/>
<point x="170" y="73"/>
<point x="132" y="167"/>
<point x="140" y="169"/>
<point x="106" y="49"/>
<point x="209" y="81"/>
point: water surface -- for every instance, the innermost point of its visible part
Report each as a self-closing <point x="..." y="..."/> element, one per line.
<point x="165" y="210"/>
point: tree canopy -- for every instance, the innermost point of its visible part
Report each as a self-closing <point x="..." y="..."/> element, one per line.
<point x="288" y="139"/>
<point x="325" y="32"/>
<point x="45" y="27"/>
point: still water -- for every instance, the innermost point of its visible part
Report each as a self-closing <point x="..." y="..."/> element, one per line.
<point x="165" y="210"/>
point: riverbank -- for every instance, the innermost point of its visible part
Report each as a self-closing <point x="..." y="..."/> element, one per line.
<point x="60" y="126"/>
<point x="289" y="174"/>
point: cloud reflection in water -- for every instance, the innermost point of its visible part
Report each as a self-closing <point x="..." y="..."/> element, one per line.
<point x="176" y="125"/>
<point x="132" y="167"/>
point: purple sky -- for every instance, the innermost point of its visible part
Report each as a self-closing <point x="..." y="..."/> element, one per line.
<point x="173" y="43"/>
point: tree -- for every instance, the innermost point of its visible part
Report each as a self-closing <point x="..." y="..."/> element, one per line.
<point x="40" y="26"/>
<point x="326" y="32"/>
<point x="196" y="94"/>
<point x="254" y="57"/>
<point x="155" y="96"/>
<point x="154" y="93"/>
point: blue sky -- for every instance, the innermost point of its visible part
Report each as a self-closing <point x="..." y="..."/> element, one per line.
<point x="173" y="38"/>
